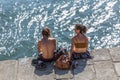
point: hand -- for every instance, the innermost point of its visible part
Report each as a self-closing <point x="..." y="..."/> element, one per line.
<point x="40" y="53"/>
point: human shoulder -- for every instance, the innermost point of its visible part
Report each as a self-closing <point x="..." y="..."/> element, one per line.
<point x="39" y="42"/>
<point x="53" y="39"/>
<point x="85" y="36"/>
<point x="74" y="37"/>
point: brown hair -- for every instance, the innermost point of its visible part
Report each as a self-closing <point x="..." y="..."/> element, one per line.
<point x="46" y="32"/>
<point x="82" y="28"/>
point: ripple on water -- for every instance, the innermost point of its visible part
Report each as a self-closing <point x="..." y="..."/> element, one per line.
<point x="21" y="24"/>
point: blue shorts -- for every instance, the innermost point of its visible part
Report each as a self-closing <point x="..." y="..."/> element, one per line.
<point x="81" y="55"/>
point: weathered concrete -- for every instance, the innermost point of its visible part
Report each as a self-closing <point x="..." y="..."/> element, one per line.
<point x="104" y="66"/>
<point x="117" y="68"/>
<point x="101" y="54"/>
<point x="84" y="73"/>
<point x="105" y="71"/>
<point x="8" y="70"/>
<point x="115" y="53"/>
<point x="25" y="70"/>
<point x="46" y="74"/>
<point x="63" y="74"/>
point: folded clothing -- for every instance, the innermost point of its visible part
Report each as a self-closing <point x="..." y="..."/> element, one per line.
<point x="81" y="55"/>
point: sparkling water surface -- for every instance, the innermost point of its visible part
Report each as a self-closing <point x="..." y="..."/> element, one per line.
<point x="21" y="22"/>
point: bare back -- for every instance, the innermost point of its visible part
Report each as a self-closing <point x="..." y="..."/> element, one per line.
<point x="47" y="47"/>
<point x="80" y="43"/>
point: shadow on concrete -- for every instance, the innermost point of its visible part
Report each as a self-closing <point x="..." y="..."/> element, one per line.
<point x="81" y="66"/>
<point x="51" y="69"/>
<point x="69" y="74"/>
<point x="46" y="71"/>
<point x="60" y="72"/>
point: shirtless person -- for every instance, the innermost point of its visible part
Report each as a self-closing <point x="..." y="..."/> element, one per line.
<point x="79" y="43"/>
<point x="46" y="46"/>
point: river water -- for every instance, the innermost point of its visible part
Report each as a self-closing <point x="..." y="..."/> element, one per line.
<point x="21" y="22"/>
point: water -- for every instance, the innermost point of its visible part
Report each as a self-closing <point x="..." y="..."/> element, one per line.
<point x="21" y="22"/>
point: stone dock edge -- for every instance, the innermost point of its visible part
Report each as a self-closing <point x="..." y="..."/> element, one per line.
<point x="104" y="66"/>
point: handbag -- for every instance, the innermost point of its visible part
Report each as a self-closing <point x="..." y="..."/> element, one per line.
<point x="63" y="62"/>
<point x="58" y="53"/>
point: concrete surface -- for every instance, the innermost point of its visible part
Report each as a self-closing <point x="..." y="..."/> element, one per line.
<point x="104" y="66"/>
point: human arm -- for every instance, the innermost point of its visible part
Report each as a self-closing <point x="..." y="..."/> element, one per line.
<point x="87" y="41"/>
<point x="72" y="47"/>
<point x="39" y="47"/>
<point x="54" y="41"/>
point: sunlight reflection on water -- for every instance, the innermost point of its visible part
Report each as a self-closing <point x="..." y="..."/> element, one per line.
<point x="22" y="21"/>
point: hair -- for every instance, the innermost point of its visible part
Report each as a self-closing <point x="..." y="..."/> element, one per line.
<point x="46" y="32"/>
<point x="82" y="28"/>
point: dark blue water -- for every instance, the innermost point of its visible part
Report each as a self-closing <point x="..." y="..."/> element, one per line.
<point x="21" y="22"/>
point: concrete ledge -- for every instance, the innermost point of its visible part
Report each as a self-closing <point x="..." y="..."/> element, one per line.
<point x="117" y="68"/>
<point x="104" y="66"/>
<point x="25" y="70"/>
<point x="8" y="70"/>
<point x="115" y="53"/>
<point x="101" y="54"/>
<point x="84" y="73"/>
<point x="105" y="71"/>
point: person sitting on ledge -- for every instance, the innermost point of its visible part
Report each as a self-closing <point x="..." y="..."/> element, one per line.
<point x="46" y="46"/>
<point x="79" y="43"/>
